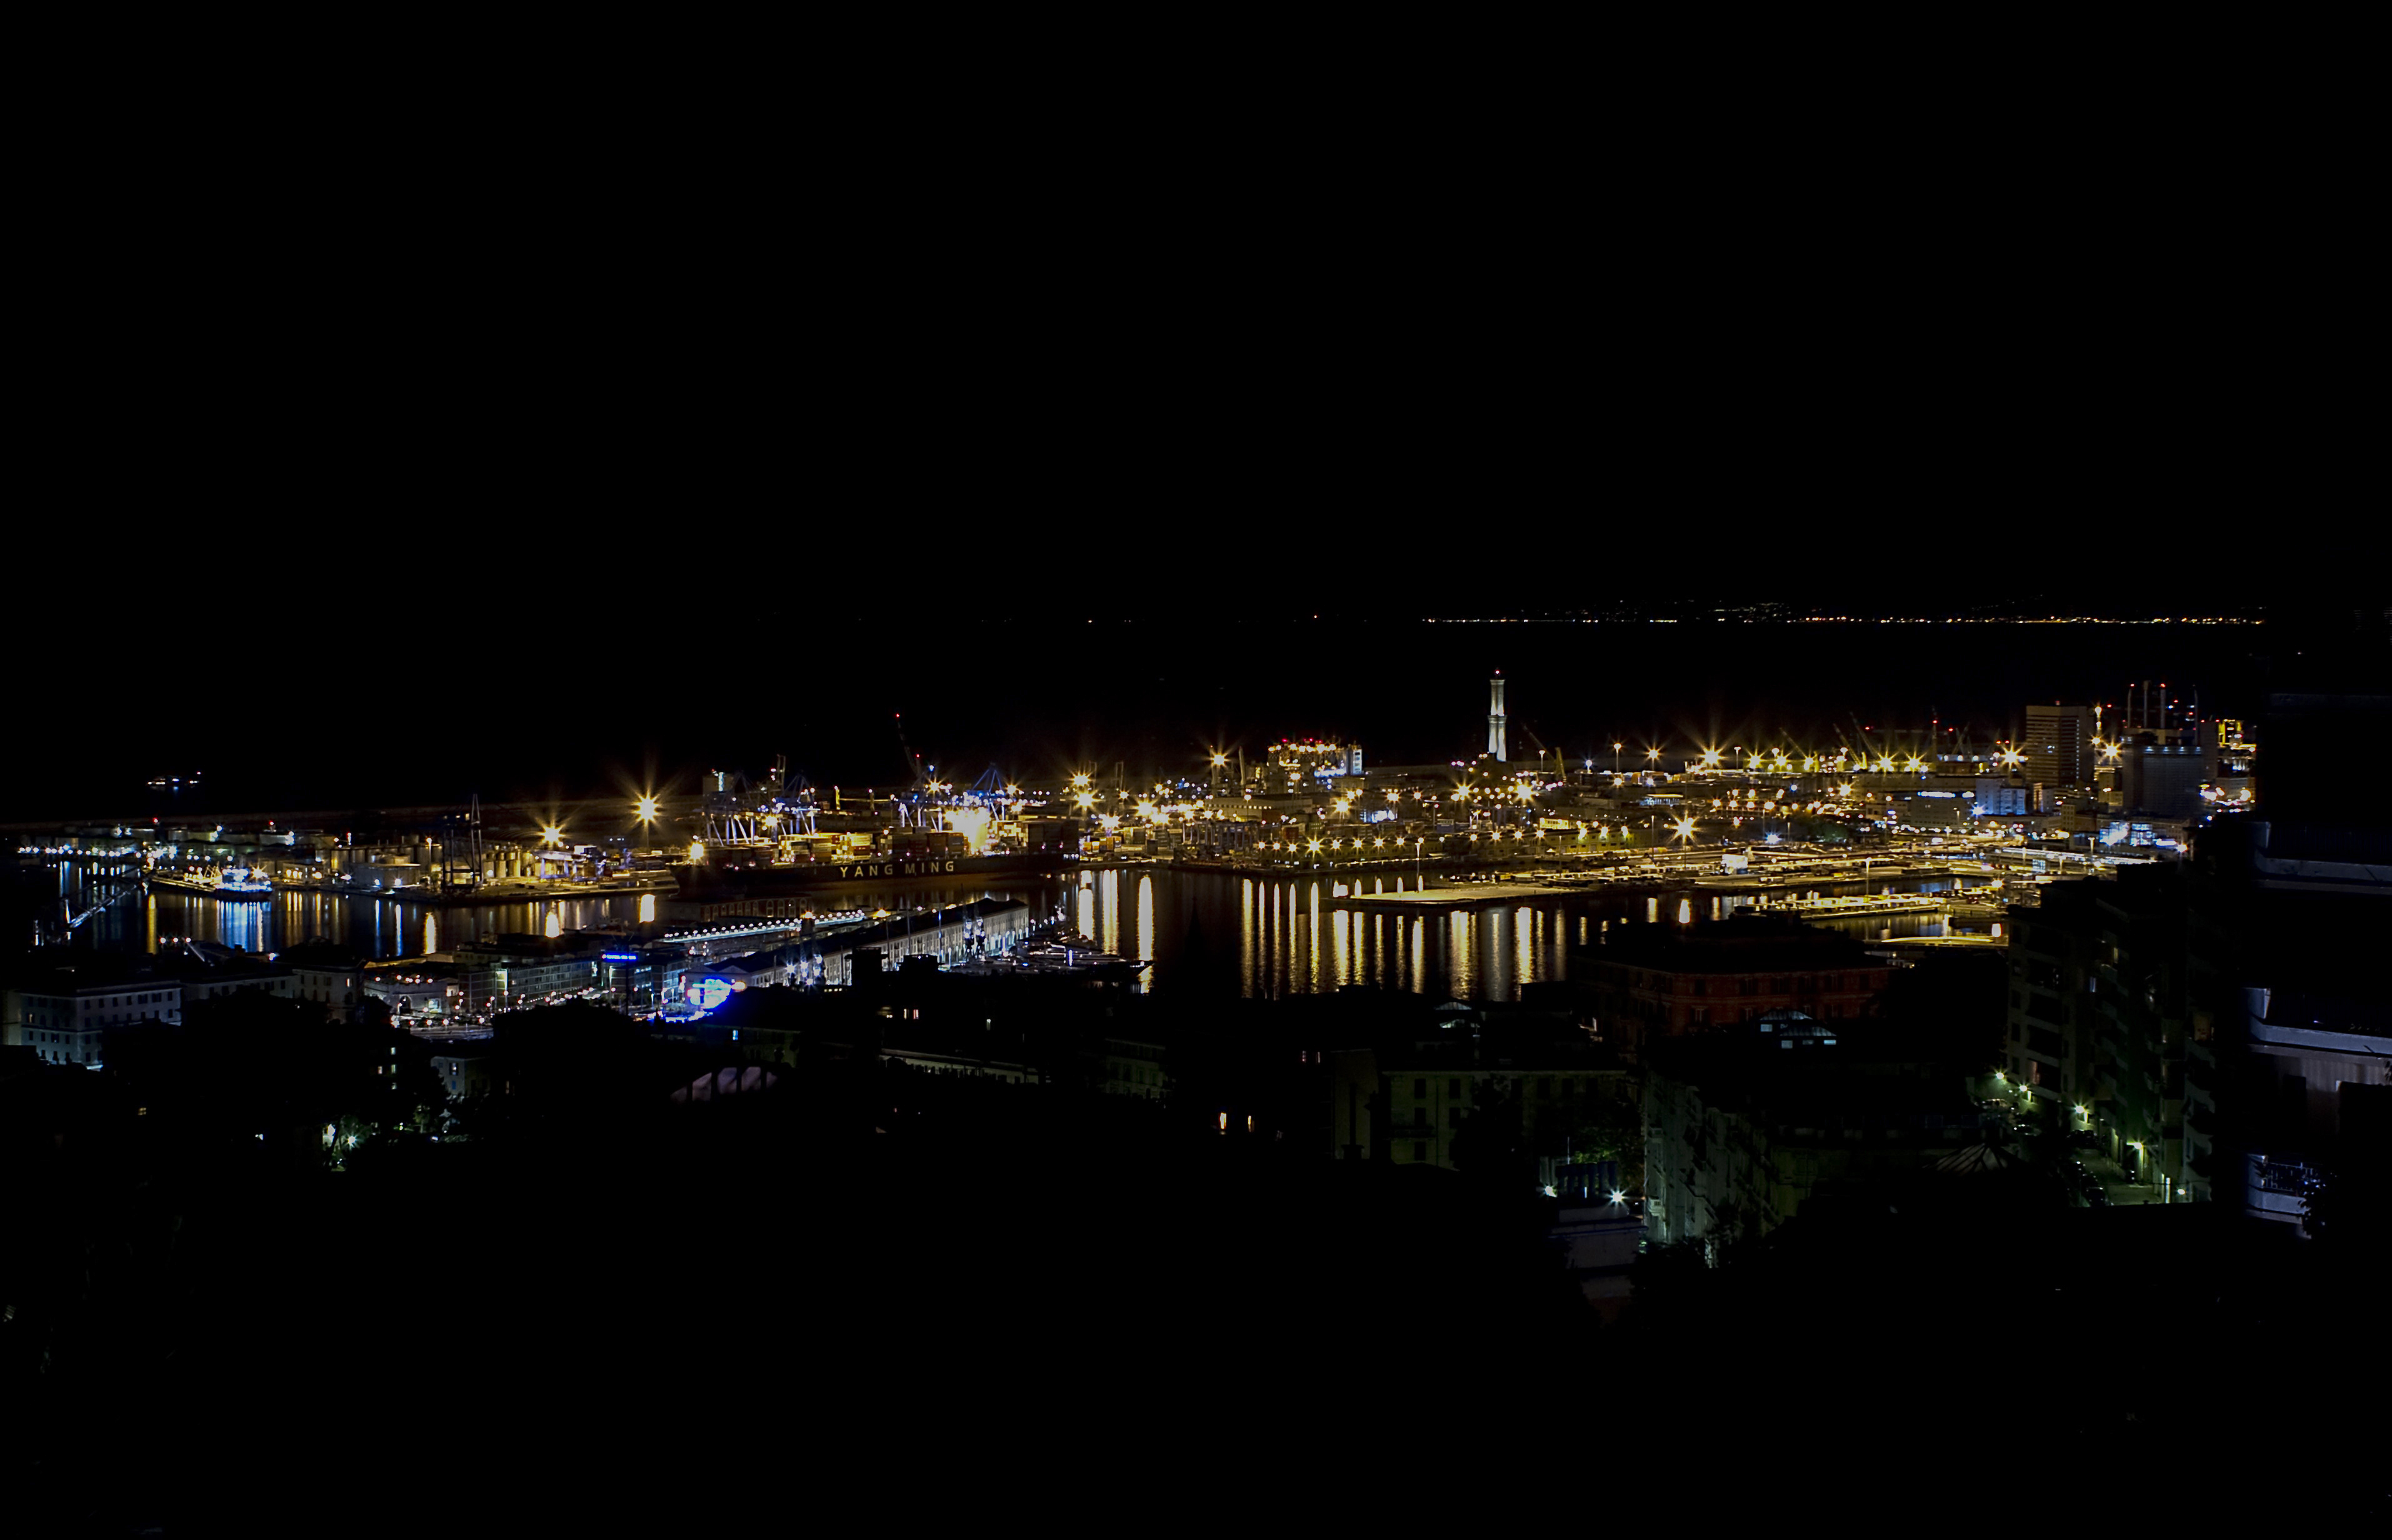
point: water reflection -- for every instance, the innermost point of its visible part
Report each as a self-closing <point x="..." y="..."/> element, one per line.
<point x="373" y="927"/>
<point x="1312" y="937"/>
<point x="1293" y="936"/>
<point x="1246" y="927"/>
<point x="1145" y="917"/>
<point x="1897" y="927"/>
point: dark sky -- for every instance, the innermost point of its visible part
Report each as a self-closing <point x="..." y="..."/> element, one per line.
<point x="574" y="464"/>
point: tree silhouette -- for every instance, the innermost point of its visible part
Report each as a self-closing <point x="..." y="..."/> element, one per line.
<point x="1492" y="1143"/>
<point x="1612" y="1128"/>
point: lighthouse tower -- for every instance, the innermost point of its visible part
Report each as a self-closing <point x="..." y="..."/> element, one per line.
<point x="1497" y="739"/>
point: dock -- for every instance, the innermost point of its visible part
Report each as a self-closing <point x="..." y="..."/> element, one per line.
<point x="1872" y="903"/>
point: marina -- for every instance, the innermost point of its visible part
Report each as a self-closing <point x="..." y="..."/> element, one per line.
<point x="1250" y="934"/>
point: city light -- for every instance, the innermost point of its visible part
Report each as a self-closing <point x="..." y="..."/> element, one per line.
<point x="647" y="809"/>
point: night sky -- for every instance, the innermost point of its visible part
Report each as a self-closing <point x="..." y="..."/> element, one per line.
<point x="520" y="430"/>
<point x="586" y="697"/>
<point x="572" y="501"/>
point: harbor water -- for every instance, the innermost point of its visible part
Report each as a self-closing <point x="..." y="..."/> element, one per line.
<point x="1212" y="933"/>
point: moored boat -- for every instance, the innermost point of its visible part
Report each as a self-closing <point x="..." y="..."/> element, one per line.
<point x="237" y="882"/>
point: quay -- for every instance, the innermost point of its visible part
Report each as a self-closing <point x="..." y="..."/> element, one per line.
<point x="1461" y="896"/>
<point x="433" y="898"/>
<point x="467" y="898"/>
<point x="1872" y="903"/>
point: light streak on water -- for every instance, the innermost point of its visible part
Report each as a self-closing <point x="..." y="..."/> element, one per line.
<point x="1146" y="918"/>
<point x="1312" y="939"/>
<point x="1246" y="934"/>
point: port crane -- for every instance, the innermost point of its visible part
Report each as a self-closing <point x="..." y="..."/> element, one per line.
<point x="739" y="813"/>
<point x="908" y="803"/>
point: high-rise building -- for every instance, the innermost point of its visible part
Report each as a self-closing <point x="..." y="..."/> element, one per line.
<point x="2058" y="744"/>
<point x="2164" y="779"/>
<point x="1497" y="738"/>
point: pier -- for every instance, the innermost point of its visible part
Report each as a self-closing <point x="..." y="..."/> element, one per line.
<point x="1872" y="903"/>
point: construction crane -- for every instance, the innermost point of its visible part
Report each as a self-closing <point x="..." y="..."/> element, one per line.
<point x="906" y="751"/>
<point x="910" y="803"/>
<point x="1561" y="765"/>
